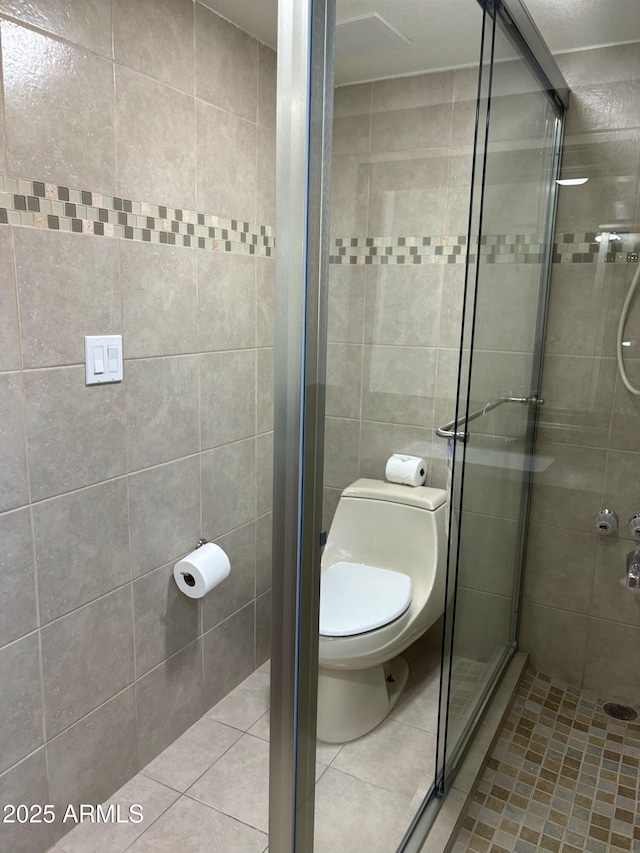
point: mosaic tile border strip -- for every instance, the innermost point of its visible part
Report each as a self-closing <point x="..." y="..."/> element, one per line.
<point x="37" y="204"/>
<point x="584" y="248"/>
<point x="562" y="777"/>
<point x="575" y="248"/>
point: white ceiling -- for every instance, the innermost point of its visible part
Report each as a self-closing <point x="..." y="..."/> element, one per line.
<point x="445" y="34"/>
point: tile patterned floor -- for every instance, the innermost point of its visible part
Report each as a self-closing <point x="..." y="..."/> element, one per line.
<point x="563" y="777"/>
<point x="208" y="791"/>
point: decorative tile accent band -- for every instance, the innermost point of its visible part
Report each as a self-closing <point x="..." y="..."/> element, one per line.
<point x="494" y="249"/>
<point x="36" y="204"/>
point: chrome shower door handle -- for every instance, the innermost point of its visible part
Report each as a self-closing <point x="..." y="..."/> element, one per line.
<point x="451" y="430"/>
<point x="442" y="432"/>
<point x="532" y="400"/>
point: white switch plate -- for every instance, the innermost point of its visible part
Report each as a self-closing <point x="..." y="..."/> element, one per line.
<point x="102" y="359"/>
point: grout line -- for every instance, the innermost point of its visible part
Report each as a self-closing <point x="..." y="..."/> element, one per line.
<point x="128" y="488"/>
<point x="114" y="104"/>
<point x="226" y="814"/>
<point x="366" y="285"/>
<point x="194" y="89"/>
<point x="111" y="798"/>
<point x="395" y="793"/>
<point x="3" y="112"/>
<point x="44" y="746"/>
<point x="153" y="822"/>
<point x="131" y="360"/>
<point x="54" y="37"/>
<point x="123" y="65"/>
<point x="138" y="472"/>
<point x="200" y="479"/>
<point x="34" y="551"/>
<point x="135" y="677"/>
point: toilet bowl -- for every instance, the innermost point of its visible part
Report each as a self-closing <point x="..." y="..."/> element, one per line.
<point x="382" y="586"/>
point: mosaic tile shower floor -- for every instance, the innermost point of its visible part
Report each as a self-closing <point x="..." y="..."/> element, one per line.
<point x="563" y="777"/>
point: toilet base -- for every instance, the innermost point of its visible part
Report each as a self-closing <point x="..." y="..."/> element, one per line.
<point x="352" y="702"/>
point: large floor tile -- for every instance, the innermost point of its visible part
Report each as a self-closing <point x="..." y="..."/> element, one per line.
<point x="115" y="837"/>
<point x="245" y="705"/>
<point x="353" y="816"/>
<point x="180" y="764"/>
<point x="325" y="752"/>
<point x="191" y="827"/>
<point x="394" y="756"/>
<point x="418" y="705"/>
<point x="238" y="784"/>
<point x="261" y="727"/>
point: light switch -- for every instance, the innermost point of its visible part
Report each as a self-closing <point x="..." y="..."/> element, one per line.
<point x="103" y="359"/>
<point x="112" y="359"/>
<point x="98" y="359"/>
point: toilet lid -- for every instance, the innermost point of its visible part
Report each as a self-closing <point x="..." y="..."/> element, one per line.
<point x="355" y="598"/>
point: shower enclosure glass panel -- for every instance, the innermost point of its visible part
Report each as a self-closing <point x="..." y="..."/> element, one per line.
<point x="490" y="454"/>
<point x="401" y="173"/>
<point x="413" y="149"/>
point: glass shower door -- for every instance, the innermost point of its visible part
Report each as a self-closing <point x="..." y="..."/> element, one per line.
<point x="370" y="289"/>
<point x="490" y="445"/>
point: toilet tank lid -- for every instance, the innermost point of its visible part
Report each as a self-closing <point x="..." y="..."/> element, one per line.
<point x="423" y="497"/>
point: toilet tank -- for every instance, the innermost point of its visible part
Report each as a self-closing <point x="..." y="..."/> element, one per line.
<point x="392" y="526"/>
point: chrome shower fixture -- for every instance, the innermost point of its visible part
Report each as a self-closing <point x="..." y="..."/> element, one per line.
<point x="619" y="342"/>
<point x="606" y="521"/>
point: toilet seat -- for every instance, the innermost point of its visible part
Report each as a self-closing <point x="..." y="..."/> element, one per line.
<point x="356" y="598"/>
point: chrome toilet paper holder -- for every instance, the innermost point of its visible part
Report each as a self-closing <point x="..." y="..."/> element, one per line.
<point x="188" y="577"/>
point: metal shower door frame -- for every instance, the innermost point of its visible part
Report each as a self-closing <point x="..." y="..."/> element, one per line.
<point x="303" y="164"/>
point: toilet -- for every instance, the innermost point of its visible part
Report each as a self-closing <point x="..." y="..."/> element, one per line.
<point x="382" y="586"/>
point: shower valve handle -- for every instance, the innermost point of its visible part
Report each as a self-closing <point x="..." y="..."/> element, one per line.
<point x="606" y="521"/>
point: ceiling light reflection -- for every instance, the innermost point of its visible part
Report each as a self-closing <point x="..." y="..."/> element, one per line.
<point x="571" y="182"/>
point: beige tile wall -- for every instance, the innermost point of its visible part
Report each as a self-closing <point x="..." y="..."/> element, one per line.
<point x="102" y="661"/>
<point x="401" y="167"/>
<point x="578" y="623"/>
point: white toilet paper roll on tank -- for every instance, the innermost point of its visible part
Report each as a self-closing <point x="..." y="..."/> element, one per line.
<point x="410" y="470"/>
<point x="201" y="570"/>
